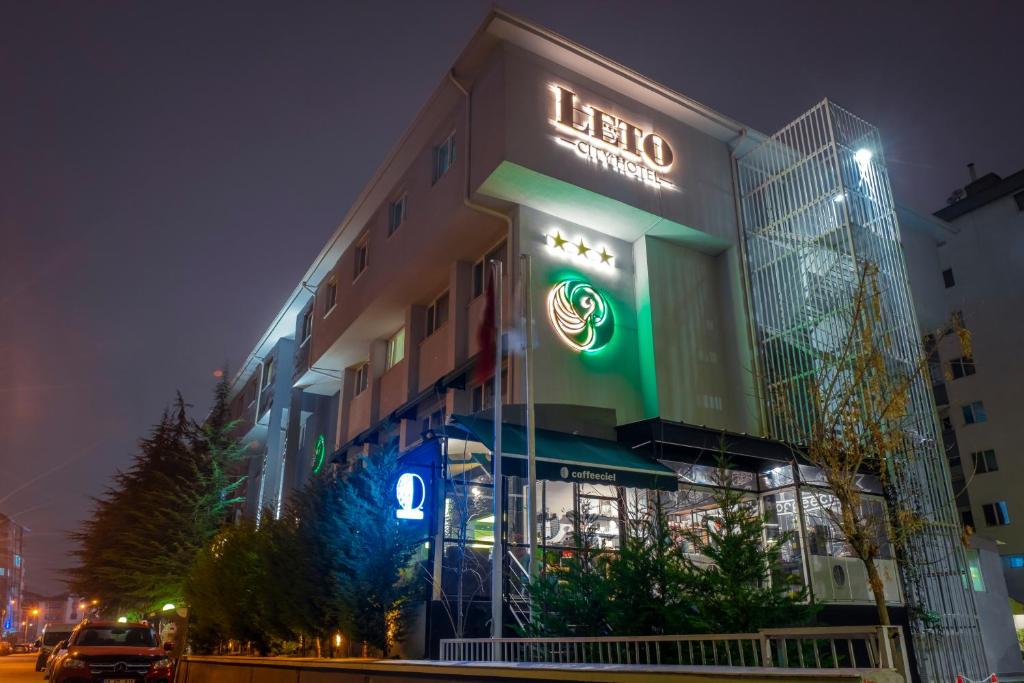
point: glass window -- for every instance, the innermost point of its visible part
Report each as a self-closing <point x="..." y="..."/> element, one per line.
<point x="268" y="372"/>
<point x="330" y="296"/>
<point x="307" y="325"/>
<point x="1015" y="561"/>
<point x="361" y="378"/>
<point x="826" y="539"/>
<point x="947" y="278"/>
<point x="974" y="571"/>
<point x="985" y="461"/>
<point x="396" y="214"/>
<point x="362" y="256"/>
<point x="469" y="513"/>
<point x="112" y="636"/>
<point x="396" y="349"/>
<point x="437" y="314"/>
<point x="444" y="157"/>
<point x="996" y="514"/>
<point x="974" y="412"/>
<point x="776" y="477"/>
<point x="962" y="367"/>
<point x="781" y="520"/>
<point x="480" y="268"/>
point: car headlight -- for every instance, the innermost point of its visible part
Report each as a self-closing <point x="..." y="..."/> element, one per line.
<point x="72" y="663"/>
<point x="164" y="663"/>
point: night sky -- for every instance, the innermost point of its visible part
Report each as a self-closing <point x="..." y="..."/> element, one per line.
<point x="168" y="171"/>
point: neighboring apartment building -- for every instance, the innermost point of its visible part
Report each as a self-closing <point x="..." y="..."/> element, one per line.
<point x="63" y="608"/>
<point x="974" y="271"/>
<point x="12" y="574"/>
<point x="681" y="265"/>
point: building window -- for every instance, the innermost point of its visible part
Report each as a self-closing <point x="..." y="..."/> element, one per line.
<point x="985" y="461"/>
<point x="307" y="326"/>
<point x="433" y="421"/>
<point x="1019" y="198"/>
<point x="437" y="314"/>
<point x="361" y="377"/>
<point x="947" y="424"/>
<point x="330" y="297"/>
<point x="974" y="412"/>
<point x="268" y="372"/>
<point x="483" y="394"/>
<point x="974" y="571"/>
<point x="961" y="367"/>
<point x="17" y="561"/>
<point x="444" y="157"/>
<point x="396" y="349"/>
<point x="996" y="514"/>
<point x="362" y="256"/>
<point x="967" y="517"/>
<point x="396" y="214"/>
<point x="947" y="278"/>
<point x="1015" y="561"/>
<point x="480" y="268"/>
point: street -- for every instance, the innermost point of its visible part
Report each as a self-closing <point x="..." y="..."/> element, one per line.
<point x="19" y="669"/>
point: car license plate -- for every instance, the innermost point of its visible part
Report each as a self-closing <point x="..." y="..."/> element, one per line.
<point x="118" y="680"/>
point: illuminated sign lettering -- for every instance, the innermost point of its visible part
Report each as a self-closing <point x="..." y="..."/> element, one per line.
<point x="580" y="315"/>
<point x="319" y="454"/>
<point x="411" y="493"/>
<point x="610" y="141"/>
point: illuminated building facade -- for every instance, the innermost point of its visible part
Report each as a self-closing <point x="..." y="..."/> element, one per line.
<point x="12" y="575"/>
<point x="636" y="206"/>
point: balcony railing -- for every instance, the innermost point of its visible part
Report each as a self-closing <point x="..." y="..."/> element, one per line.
<point x="875" y="647"/>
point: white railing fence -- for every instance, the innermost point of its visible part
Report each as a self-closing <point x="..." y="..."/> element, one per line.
<point x="876" y="647"/>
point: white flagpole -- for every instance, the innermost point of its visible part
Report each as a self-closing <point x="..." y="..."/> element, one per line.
<point x="526" y="273"/>
<point x="498" y="553"/>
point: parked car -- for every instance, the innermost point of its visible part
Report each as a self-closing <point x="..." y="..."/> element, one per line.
<point x="56" y="652"/>
<point x="5" y="648"/>
<point x="114" y="652"/>
<point x="52" y="634"/>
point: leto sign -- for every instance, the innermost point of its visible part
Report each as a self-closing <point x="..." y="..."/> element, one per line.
<point x="613" y="142"/>
<point x="580" y="315"/>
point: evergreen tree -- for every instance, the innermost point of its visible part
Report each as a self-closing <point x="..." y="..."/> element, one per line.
<point x="573" y="598"/>
<point x="375" y="580"/>
<point x="136" y="550"/>
<point x="740" y="591"/>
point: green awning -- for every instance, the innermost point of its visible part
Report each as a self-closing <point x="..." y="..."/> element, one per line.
<point x="571" y="457"/>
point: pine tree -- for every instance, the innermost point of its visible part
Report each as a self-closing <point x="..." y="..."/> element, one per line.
<point x="573" y="598"/>
<point x="740" y="591"/>
<point x="375" y="549"/>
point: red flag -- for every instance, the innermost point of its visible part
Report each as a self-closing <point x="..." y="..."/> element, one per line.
<point x="486" y="336"/>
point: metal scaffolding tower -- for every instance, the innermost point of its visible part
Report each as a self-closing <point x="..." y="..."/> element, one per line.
<point x="816" y="207"/>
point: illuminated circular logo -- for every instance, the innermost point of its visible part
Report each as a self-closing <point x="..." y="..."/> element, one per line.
<point x="580" y="315"/>
<point x="411" y="493"/>
<point x="319" y="453"/>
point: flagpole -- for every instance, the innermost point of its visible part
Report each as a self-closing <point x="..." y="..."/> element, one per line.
<point x="526" y="273"/>
<point x="498" y="552"/>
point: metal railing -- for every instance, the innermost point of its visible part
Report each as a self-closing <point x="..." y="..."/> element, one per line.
<point x="876" y="647"/>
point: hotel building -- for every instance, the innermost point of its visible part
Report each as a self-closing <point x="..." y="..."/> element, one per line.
<point x="681" y="266"/>
<point x="12" y="575"/>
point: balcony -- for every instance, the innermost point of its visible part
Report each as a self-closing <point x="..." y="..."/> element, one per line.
<point x="435" y="356"/>
<point x="394" y="387"/>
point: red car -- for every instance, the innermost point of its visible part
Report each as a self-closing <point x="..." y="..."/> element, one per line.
<point x="114" y="652"/>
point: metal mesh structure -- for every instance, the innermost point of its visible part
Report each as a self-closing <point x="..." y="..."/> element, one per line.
<point x="816" y="207"/>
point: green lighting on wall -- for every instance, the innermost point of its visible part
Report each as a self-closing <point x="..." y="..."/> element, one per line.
<point x="580" y="315"/>
<point x="319" y="454"/>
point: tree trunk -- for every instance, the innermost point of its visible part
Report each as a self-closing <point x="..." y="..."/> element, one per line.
<point x="878" y="589"/>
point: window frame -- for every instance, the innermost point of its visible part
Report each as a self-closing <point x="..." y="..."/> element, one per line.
<point x="361" y="376"/>
<point x="986" y="459"/>
<point x="267" y="376"/>
<point x="307" y="326"/>
<point x="361" y="256"/>
<point x="948" y="279"/>
<point x="403" y="202"/>
<point x="996" y="513"/>
<point x="430" y="324"/>
<point x="330" y="296"/>
<point x="973" y="411"/>
<point x="963" y="366"/>
<point x="393" y="343"/>
<point x="448" y="145"/>
<point x="479" y="283"/>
